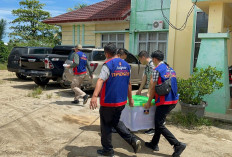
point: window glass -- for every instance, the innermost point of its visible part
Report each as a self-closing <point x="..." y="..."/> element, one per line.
<point x="104" y="37"/>
<point x="19" y="50"/>
<point x="152" y="36"/>
<point x="99" y="56"/>
<point x="152" y="41"/>
<point x="37" y="51"/>
<point x="112" y="37"/>
<point x="142" y="47"/>
<point x="142" y="37"/>
<point x="201" y="27"/>
<point x="117" y="39"/>
<point x="162" y="36"/>
<point x="152" y="46"/>
<point x="131" y="59"/>
<point x="120" y="37"/>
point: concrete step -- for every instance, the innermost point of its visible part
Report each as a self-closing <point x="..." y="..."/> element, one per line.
<point x="229" y="111"/>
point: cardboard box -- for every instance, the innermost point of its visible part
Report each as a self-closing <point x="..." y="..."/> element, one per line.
<point x="136" y="118"/>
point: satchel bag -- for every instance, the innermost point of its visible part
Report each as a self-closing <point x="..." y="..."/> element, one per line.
<point x="165" y="87"/>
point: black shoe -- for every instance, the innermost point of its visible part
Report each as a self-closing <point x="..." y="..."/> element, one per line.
<point x="85" y="98"/>
<point x="149" y="145"/>
<point x="113" y="130"/>
<point x="150" y="132"/>
<point x="75" y="101"/>
<point x="105" y="153"/>
<point x="136" y="145"/>
<point x="178" y="149"/>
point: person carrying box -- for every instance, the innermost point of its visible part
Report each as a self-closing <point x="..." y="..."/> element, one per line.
<point x="114" y="80"/>
<point x="164" y="103"/>
<point x="147" y="78"/>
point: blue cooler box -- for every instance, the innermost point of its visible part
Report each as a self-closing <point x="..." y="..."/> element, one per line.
<point x="137" y="118"/>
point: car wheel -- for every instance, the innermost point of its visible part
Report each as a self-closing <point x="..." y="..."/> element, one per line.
<point x="42" y="81"/>
<point x="20" y="76"/>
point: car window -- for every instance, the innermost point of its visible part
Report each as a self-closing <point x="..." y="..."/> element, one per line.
<point x="19" y="50"/>
<point x="62" y="51"/>
<point x="99" y="56"/>
<point x="37" y="51"/>
<point x="131" y="59"/>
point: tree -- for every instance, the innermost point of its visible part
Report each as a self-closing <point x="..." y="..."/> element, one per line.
<point x="28" y="26"/>
<point x="2" y="28"/>
<point x="76" y="7"/>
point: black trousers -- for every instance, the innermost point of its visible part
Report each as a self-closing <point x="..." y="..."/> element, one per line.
<point x="160" y="117"/>
<point x="110" y="117"/>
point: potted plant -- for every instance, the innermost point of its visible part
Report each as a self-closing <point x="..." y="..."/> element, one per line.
<point x="193" y="89"/>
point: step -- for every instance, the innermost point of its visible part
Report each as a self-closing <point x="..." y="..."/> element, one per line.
<point x="229" y="111"/>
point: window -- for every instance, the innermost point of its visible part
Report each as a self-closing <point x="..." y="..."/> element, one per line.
<point x="153" y="41"/>
<point x="99" y="56"/>
<point x="131" y="59"/>
<point x="117" y="39"/>
<point x="201" y="27"/>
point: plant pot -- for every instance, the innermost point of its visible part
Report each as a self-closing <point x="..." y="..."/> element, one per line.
<point x="198" y="110"/>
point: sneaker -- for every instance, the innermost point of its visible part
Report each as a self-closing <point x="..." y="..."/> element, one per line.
<point x="150" y="132"/>
<point x="85" y="98"/>
<point x="149" y="145"/>
<point x="136" y="145"/>
<point x="75" y="101"/>
<point x="105" y="153"/>
<point x="178" y="149"/>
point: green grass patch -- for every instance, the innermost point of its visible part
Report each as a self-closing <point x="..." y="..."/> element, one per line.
<point x="36" y="92"/>
<point x="49" y="96"/>
<point x="3" y="66"/>
<point x="1" y="81"/>
<point x="189" y="121"/>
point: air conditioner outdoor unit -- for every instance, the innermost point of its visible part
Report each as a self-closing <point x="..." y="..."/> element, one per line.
<point x="157" y="24"/>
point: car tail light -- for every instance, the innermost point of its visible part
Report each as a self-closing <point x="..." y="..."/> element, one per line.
<point x="93" y="66"/>
<point x="48" y="64"/>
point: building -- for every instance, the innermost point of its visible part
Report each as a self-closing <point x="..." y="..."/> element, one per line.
<point x="142" y="25"/>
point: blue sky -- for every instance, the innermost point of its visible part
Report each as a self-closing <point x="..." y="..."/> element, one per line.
<point x="55" y="7"/>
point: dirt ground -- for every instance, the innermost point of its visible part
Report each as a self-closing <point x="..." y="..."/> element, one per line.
<point x="52" y="126"/>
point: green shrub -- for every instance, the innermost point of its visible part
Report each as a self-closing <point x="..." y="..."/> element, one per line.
<point x="201" y="83"/>
<point x="189" y="121"/>
<point x="3" y="66"/>
<point x="4" y="53"/>
<point x="36" y="92"/>
<point x="49" y="96"/>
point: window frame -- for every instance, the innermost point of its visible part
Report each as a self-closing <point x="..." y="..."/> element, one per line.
<point x="156" y="41"/>
<point x="116" y="41"/>
<point x="196" y="42"/>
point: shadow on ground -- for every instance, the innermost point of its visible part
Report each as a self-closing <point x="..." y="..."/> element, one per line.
<point x="90" y="151"/>
<point x="18" y="80"/>
<point x="117" y="142"/>
<point x="50" y="86"/>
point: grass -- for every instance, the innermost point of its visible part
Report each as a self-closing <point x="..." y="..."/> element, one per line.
<point x="189" y="121"/>
<point x="36" y="92"/>
<point x="49" y="96"/>
<point x="1" y="81"/>
<point x="3" y="66"/>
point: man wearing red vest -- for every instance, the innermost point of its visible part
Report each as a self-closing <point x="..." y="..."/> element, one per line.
<point x="164" y="104"/>
<point x="79" y="69"/>
<point x="114" y="81"/>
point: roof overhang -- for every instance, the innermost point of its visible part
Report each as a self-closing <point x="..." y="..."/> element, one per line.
<point x="205" y="4"/>
<point x="90" y="22"/>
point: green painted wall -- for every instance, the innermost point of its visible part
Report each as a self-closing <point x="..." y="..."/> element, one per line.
<point x="213" y="52"/>
<point x="143" y="14"/>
